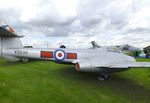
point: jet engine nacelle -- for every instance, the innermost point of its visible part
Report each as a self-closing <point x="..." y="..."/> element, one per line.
<point x="86" y="66"/>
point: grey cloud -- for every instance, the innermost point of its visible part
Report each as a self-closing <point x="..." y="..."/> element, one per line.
<point x="48" y="15"/>
<point x="10" y="15"/>
<point x="94" y="12"/>
<point x="102" y="19"/>
<point x="58" y="32"/>
<point x="139" y="30"/>
<point x="93" y="17"/>
<point x="50" y="22"/>
<point x="90" y="14"/>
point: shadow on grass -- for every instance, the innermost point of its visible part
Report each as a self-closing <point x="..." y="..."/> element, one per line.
<point x="7" y="63"/>
<point x="121" y="86"/>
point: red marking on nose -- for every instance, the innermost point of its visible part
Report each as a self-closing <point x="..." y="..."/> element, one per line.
<point x="59" y="54"/>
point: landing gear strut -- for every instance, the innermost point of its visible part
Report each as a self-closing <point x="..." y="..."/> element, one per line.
<point x="104" y="76"/>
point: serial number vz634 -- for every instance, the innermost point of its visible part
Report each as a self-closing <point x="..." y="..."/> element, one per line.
<point x="21" y="52"/>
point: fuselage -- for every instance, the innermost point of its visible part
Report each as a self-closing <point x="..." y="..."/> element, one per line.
<point x="68" y="55"/>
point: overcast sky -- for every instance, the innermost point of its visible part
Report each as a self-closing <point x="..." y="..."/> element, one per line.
<point x="77" y="22"/>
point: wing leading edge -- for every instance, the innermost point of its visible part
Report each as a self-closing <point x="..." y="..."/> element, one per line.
<point x="131" y="65"/>
<point x="97" y="64"/>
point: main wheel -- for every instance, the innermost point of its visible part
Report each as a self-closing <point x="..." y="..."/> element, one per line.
<point x="104" y="76"/>
<point x="25" y="60"/>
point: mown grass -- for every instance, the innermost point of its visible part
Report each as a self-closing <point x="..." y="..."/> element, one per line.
<point x="48" y="82"/>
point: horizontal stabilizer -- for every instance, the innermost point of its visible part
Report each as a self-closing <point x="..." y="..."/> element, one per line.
<point x="5" y="33"/>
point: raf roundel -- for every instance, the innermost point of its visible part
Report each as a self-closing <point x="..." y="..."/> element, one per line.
<point x="59" y="55"/>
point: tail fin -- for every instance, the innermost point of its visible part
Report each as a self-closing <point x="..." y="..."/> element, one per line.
<point x="95" y="45"/>
<point x="8" y="38"/>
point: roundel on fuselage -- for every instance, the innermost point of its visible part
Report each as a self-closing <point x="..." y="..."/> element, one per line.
<point x="59" y="55"/>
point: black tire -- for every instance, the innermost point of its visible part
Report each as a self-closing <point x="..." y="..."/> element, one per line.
<point x="105" y="75"/>
<point x="25" y="60"/>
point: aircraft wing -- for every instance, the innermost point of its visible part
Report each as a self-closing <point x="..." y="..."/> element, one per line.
<point x="6" y="33"/>
<point x="130" y="65"/>
<point x="96" y="63"/>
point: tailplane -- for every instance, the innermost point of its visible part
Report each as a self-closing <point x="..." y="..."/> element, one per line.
<point x="7" y="27"/>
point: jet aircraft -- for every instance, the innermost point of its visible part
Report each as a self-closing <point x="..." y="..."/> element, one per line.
<point x="104" y="60"/>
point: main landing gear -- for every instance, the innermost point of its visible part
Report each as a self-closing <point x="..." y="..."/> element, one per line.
<point x="25" y="60"/>
<point x="104" y="76"/>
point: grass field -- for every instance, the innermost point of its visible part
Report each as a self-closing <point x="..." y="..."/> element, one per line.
<point x="48" y="82"/>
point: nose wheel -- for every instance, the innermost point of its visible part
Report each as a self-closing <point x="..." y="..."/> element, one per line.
<point x="104" y="76"/>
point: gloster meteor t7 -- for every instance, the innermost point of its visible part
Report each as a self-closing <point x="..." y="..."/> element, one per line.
<point x="104" y="60"/>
